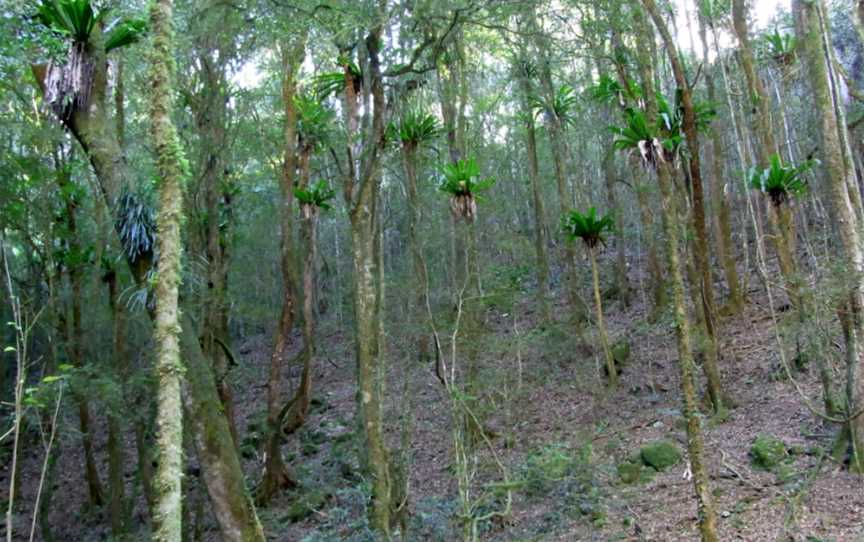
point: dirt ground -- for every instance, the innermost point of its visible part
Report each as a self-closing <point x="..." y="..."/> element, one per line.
<point x="540" y="395"/>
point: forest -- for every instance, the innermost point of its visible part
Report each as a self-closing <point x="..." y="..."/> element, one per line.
<point x="432" y="270"/>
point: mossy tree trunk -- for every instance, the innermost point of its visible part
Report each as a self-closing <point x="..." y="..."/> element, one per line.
<point x="170" y="163"/>
<point x="95" y="130"/>
<point x="707" y="515"/>
<point x="719" y="196"/>
<point x="814" y="41"/>
<point x="705" y="281"/>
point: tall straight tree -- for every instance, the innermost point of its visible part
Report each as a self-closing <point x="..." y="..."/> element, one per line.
<point x="84" y="111"/>
<point x="812" y="32"/>
<point x="703" y="268"/>
<point x="171" y="165"/>
<point x="695" y="443"/>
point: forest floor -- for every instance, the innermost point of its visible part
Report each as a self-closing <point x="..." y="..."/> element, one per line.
<point x="560" y="434"/>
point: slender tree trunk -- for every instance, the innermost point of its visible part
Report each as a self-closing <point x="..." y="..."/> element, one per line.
<point x="719" y="196"/>
<point x="601" y="325"/>
<point x="276" y="474"/>
<point x="418" y="260"/>
<point x="536" y="193"/>
<point x="840" y="177"/>
<point x="74" y="333"/>
<point x="695" y="444"/>
<point x="703" y="269"/>
<point x="168" y="525"/>
<point x="116" y="460"/>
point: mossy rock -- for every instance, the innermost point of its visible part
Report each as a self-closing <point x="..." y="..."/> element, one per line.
<point x="767" y="452"/>
<point x="629" y="472"/>
<point x="660" y="454"/>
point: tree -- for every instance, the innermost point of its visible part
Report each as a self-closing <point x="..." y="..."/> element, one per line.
<point x="172" y="165"/>
<point x="591" y="229"/>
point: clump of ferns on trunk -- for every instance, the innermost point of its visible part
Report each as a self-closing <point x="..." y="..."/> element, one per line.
<point x="314" y="198"/>
<point x="68" y="85"/>
<point x="462" y="182"/>
<point x="780" y="182"/>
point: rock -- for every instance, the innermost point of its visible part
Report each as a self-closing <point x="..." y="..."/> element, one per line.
<point x="661" y="454"/>
<point x="767" y="452"/>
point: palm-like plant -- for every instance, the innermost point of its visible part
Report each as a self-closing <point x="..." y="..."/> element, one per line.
<point x="462" y="182"/>
<point x="588" y="227"/>
<point x="314" y="197"/>
<point x="562" y="105"/>
<point x="67" y="87"/>
<point x="333" y="83"/>
<point x="637" y="136"/>
<point x="780" y="47"/>
<point x="414" y="128"/>
<point x="607" y="89"/>
<point x="780" y="182"/>
<point x="591" y="229"/>
<point x="313" y="121"/>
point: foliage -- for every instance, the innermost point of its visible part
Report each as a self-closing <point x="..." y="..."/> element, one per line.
<point x="562" y="105"/>
<point x="333" y="83"/>
<point x="767" y="452"/>
<point x="136" y="226"/>
<point x="780" y="182"/>
<point x="313" y="121"/>
<point x="588" y="227"/>
<point x="636" y="135"/>
<point x="660" y="455"/>
<point x="76" y="19"/>
<point x="608" y="89"/>
<point x="462" y="182"/>
<point x="780" y="47"/>
<point x="317" y="195"/>
<point x="414" y="128"/>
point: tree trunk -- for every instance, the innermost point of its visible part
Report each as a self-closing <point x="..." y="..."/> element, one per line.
<point x="719" y="196"/>
<point x="276" y="474"/>
<point x="94" y="130"/>
<point x="168" y="524"/>
<point x="703" y="269"/>
<point x="116" y="460"/>
<point x="601" y="325"/>
<point x="74" y="333"/>
<point x="536" y="192"/>
<point x="812" y="37"/>
<point x="695" y="444"/>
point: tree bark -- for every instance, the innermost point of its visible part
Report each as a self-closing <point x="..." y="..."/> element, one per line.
<point x="167" y="519"/>
<point x="840" y="178"/>
<point x="703" y="269"/>
<point x="95" y="131"/>
<point x="695" y="444"/>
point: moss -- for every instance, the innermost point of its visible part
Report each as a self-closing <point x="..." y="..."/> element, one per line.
<point x="621" y="352"/>
<point x="767" y="452"/>
<point x="661" y="454"/>
<point x="306" y="505"/>
<point x="630" y="473"/>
